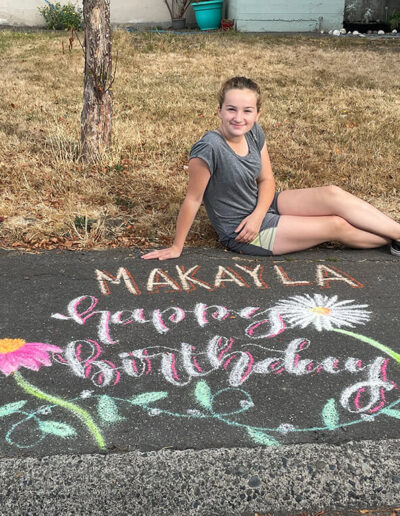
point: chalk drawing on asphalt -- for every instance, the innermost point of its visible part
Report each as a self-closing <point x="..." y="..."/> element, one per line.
<point x="17" y="353"/>
<point x="364" y="399"/>
<point x="162" y="281"/>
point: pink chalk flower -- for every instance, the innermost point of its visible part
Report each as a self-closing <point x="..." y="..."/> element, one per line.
<point x="16" y="353"/>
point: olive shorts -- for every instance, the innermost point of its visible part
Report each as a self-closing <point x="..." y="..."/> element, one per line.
<point x="263" y="244"/>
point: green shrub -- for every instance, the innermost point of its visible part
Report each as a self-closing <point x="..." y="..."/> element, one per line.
<point x="395" y="20"/>
<point x="62" y="17"/>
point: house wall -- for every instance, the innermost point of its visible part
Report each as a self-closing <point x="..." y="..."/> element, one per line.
<point x="249" y="15"/>
<point x="123" y="12"/>
<point x="286" y="16"/>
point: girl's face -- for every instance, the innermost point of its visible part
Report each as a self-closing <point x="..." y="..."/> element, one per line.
<point x="238" y="112"/>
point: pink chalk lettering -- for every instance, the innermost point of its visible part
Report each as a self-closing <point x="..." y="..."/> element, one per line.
<point x="243" y="365"/>
<point x="81" y="356"/>
<point x="130" y="363"/>
<point x="381" y="404"/>
<point x="371" y="389"/>
<point x="190" y="361"/>
<point x="86" y="358"/>
<point x="73" y="310"/>
<point x="353" y="365"/>
<point x="231" y="357"/>
<point x="358" y="397"/>
<point x="81" y="315"/>
<point x="177" y="316"/>
<point x="275" y="321"/>
<point x="168" y="368"/>
<point x="292" y="364"/>
<point x="201" y="309"/>
<point x="248" y="312"/>
<point x="147" y="360"/>
<point x="216" y="349"/>
<point x="266" y="366"/>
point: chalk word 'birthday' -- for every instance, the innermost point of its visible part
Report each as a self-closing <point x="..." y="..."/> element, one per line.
<point x="160" y="280"/>
<point x="180" y="366"/>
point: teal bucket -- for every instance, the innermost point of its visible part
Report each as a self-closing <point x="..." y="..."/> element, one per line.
<point x="208" y="14"/>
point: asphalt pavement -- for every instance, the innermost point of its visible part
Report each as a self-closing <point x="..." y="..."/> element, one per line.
<point x="210" y="384"/>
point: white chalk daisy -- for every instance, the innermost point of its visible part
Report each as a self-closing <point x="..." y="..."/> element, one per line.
<point x="323" y="312"/>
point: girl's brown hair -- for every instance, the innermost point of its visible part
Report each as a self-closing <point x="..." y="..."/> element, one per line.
<point x="239" y="83"/>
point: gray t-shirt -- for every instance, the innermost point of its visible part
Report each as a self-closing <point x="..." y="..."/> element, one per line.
<point x="231" y="193"/>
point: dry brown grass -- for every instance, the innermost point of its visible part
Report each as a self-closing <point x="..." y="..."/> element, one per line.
<point x="331" y="115"/>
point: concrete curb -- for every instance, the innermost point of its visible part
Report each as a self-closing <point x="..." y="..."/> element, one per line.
<point x="240" y="481"/>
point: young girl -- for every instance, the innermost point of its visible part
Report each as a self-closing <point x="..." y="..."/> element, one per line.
<point x="230" y="170"/>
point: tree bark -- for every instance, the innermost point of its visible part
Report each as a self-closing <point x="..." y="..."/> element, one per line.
<point x="96" y="116"/>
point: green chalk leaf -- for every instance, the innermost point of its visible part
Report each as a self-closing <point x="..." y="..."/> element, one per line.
<point x="203" y="395"/>
<point x="330" y="415"/>
<point x="148" y="397"/>
<point x="107" y="410"/>
<point x="10" y="408"/>
<point x="391" y="412"/>
<point x="56" y="428"/>
<point x="261" y="437"/>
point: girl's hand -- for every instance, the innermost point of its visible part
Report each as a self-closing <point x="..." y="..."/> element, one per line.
<point x="163" y="254"/>
<point x="249" y="228"/>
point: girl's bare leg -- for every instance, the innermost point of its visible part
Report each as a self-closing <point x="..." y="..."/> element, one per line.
<point x="332" y="200"/>
<point x="297" y="233"/>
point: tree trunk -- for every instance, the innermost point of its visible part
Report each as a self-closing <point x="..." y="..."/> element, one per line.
<point x="96" y="117"/>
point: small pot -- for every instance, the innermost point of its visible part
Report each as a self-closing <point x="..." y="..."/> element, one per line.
<point x="208" y="14"/>
<point x="178" y="23"/>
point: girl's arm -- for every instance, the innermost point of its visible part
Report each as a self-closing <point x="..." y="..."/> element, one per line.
<point x="199" y="175"/>
<point x="249" y="228"/>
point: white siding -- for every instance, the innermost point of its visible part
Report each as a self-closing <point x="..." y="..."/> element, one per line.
<point x="286" y="15"/>
<point x="123" y="12"/>
<point x="250" y="15"/>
